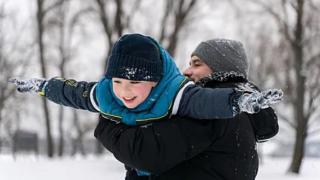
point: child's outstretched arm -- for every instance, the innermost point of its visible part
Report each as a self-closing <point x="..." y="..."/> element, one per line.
<point x="220" y="103"/>
<point x="203" y="103"/>
<point x="65" y="92"/>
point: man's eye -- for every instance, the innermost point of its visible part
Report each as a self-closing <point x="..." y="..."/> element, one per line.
<point x="197" y="64"/>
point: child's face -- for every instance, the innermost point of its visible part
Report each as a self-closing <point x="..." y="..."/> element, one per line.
<point x="131" y="93"/>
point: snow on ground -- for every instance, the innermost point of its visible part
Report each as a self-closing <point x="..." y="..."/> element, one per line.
<point x="275" y="169"/>
<point x="107" y="168"/>
<point x="94" y="168"/>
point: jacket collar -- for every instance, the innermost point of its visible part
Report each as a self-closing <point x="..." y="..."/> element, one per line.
<point x="222" y="77"/>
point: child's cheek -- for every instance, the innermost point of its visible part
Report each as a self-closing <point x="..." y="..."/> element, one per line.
<point x="142" y="90"/>
<point x="116" y="91"/>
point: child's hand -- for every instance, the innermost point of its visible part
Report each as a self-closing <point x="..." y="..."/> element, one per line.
<point x="255" y="101"/>
<point x="29" y="85"/>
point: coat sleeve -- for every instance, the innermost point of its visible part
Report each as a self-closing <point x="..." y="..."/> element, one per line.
<point x="265" y="124"/>
<point x="72" y="93"/>
<point x="155" y="147"/>
<point x="204" y="103"/>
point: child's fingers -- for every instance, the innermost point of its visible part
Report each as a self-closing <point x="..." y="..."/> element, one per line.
<point x="13" y="80"/>
<point x="22" y="85"/>
<point x="24" y="89"/>
<point x="16" y="81"/>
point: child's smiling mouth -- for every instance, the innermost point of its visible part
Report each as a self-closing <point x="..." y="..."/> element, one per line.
<point x="128" y="100"/>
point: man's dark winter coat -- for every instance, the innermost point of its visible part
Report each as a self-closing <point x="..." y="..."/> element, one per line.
<point x="190" y="149"/>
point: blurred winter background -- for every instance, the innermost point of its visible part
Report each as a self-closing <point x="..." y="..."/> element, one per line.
<point x="72" y="38"/>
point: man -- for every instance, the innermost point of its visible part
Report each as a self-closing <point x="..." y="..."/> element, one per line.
<point x="217" y="55"/>
<point x="183" y="148"/>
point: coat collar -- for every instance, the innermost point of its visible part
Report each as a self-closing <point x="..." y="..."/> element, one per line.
<point x="222" y="77"/>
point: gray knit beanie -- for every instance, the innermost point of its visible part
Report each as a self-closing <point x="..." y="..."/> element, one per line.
<point x="223" y="55"/>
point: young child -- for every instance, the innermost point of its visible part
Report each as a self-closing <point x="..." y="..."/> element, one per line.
<point x="142" y="84"/>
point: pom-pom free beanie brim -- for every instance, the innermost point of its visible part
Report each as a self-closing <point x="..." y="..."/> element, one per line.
<point x="223" y="55"/>
<point x="135" y="57"/>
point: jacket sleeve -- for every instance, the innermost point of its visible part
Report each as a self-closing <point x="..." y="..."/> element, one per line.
<point x="204" y="103"/>
<point x="155" y="147"/>
<point x="265" y="124"/>
<point x="72" y="93"/>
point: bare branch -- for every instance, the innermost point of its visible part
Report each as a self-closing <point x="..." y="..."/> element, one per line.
<point x="294" y="6"/>
<point x="313" y="132"/>
<point x="52" y="7"/>
<point x="168" y="9"/>
<point x="314" y="59"/>
<point x="284" y="27"/>
<point x="313" y="6"/>
<point x="104" y="18"/>
<point x="180" y="18"/>
<point x="76" y="18"/>
<point x="286" y="120"/>
<point x="132" y="13"/>
<point x="285" y="12"/>
<point x="118" y="24"/>
<point x="310" y="108"/>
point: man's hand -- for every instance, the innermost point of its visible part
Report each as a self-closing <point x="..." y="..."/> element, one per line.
<point x="29" y="85"/>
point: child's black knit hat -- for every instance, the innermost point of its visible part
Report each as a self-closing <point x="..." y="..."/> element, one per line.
<point x="135" y="57"/>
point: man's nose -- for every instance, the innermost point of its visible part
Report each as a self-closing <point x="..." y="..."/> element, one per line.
<point x="187" y="72"/>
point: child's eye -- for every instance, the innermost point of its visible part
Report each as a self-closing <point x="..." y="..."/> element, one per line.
<point x="135" y="82"/>
<point x="117" y="82"/>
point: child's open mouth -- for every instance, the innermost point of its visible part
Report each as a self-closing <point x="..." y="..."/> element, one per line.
<point x="128" y="100"/>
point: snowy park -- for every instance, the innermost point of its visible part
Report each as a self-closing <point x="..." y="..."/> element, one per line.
<point x="107" y="168"/>
<point x="159" y="84"/>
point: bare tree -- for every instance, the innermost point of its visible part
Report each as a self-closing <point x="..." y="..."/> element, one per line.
<point x="65" y="20"/>
<point x="42" y="11"/>
<point x="40" y="34"/>
<point x="77" y="144"/>
<point x="178" y="11"/>
<point x="174" y="19"/>
<point x="297" y="38"/>
<point x="115" y="22"/>
<point x="6" y="68"/>
<point x="13" y="57"/>
<point x="63" y="46"/>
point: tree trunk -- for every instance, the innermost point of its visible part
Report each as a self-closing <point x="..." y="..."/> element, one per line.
<point x="61" y="133"/>
<point x="99" y="148"/>
<point x="301" y="130"/>
<point x="0" y="128"/>
<point x="40" y="33"/>
<point x="79" y="139"/>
